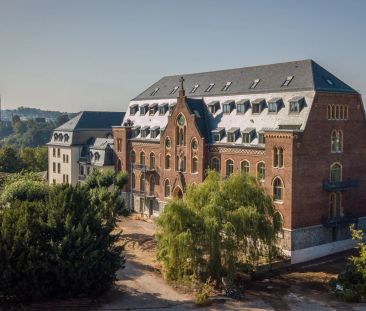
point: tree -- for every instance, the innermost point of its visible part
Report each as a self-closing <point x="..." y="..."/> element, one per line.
<point x="61" y="245"/>
<point x="220" y="226"/>
<point x="9" y="162"/>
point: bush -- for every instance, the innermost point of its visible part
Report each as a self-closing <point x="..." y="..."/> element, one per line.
<point x="63" y="245"/>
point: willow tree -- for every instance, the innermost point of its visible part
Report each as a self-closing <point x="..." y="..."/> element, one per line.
<point x="220" y="226"/>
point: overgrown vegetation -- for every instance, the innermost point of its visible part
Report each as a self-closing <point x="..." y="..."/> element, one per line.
<point x="59" y="240"/>
<point x="221" y="226"/>
<point x="351" y="283"/>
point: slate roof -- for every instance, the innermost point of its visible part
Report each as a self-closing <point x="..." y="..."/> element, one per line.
<point x="307" y="75"/>
<point x="88" y="120"/>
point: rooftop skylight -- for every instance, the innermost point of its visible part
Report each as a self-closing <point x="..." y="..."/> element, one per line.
<point x="226" y="86"/>
<point x="173" y="90"/>
<point x="194" y="89"/>
<point x="254" y="84"/>
<point x="209" y="88"/>
<point x="154" y="91"/>
<point x="287" y="81"/>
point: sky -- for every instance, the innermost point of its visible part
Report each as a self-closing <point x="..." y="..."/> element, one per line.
<point x="73" y="55"/>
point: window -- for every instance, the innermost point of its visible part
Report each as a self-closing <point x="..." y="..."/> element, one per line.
<point x="167" y="188"/>
<point x="277" y="189"/>
<point x="335" y="173"/>
<point x="152" y="184"/>
<point x="59" y="168"/>
<point x="119" y="165"/>
<point x="119" y="144"/>
<point x="336" y="141"/>
<point x="153" y="109"/>
<point x="242" y="106"/>
<point x="181" y="130"/>
<point x="54" y="167"/>
<point x="142" y="183"/>
<point x="154" y="91"/>
<point x="167" y="162"/>
<point x="215" y="164"/>
<point x="257" y="106"/>
<point x="278" y="157"/>
<point x="231" y="137"/>
<point x="246" y="138"/>
<point x="287" y="81"/>
<point x="133" y="109"/>
<point x="167" y="143"/>
<point x="229" y="167"/>
<point x="133" y="181"/>
<point x="209" y="88"/>
<point x="337" y="112"/>
<point x="163" y="109"/>
<point x="261" y="138"/>
<point x="261" y="171"/>
<point x="329" y="81"/>
<point x="216" y="137"/>
<point x="133" y="156"/>
<point x="244" y="167"/>
<point x="194" y="144"/>
<point x="142" y="158"/>
<point x="194" y="89"/>
<point x="67" y="178"/>
<point x="173" y="90"/>
<point x="294" y="107"/>
<point x="194" y="165"/>
<point x="145" y="131"/>
<point x="226" y="108"/>
<point x="213" y="106"/>
<point x="143" y="109"/>
<point x="181" y="164"/>
<point x="97" y="156"/>
<point x="272" y="107"/>
<point x="335" y="201"/>
<point x="63" y="158"/>
<point x="226" y="86"/>
<point x="58" y="152"/>
<point x="254" y="84"/>
<point x="54" y="151"/>
<point x="152" y="160"/>
<point x="66" y="137"/>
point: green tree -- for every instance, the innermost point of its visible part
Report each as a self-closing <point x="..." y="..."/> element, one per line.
<point x="61" y="245"/>
<point x="218" y="228"/>
<point x="9" y="161"/>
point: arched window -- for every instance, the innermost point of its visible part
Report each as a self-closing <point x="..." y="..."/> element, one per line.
<point x="329" y="112"/>
<point x="333" y="113"/>
<point x="341" y="112"/>
<point x="133" y="181"/>
<point x="194" y="165"/>
<point x="215" y="164"/>
<point x="97" y="156"/>
<point x="229" y="167"/>
<point x="280" y="157"/>
<point x="181" y="130"/>
<point x="261" y="171"/>
<point x="167" y="188"/>
<point x="60" y="137"/>
<point x="337" y="113"/>
<point x="152" y="160"/>
<point x="152" y="184"/>
<point x="55" y="136"/>
<point x="167" y="143"/>
<point x="335" y="172"/>
<point x="133" y="156"/>
<point x="336" y="141"/>
<point x="277" y="189"/>
<point x="167" y="162"/>
<point x="119" y="165"/>
<point x="244" y="167"/>
<point x="194" y="144"/>
<point x="66" y="137"/>
<point x="335" y="202"/>
<point x="142" y="183"/>
<point x="142" y="158"/>
<point x="346" y="112"/>
<point x="275" y="157"/>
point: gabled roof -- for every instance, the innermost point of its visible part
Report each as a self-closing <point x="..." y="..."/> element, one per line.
<point x="307" y="75"/>
<point x="91" y="120"/>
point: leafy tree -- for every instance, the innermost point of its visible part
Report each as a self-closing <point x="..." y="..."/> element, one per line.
<point x="351" y="283"/>
<point x="220" y="226"/>
<point x="9" y="161"/>
<point x="34" y="159"/>
<point x="61" y="245"/>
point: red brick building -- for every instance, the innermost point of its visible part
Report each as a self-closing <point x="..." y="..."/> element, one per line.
<point x="295" y="126"/>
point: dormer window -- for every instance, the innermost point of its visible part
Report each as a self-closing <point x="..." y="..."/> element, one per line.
<point x="257" y="106"/>
<point x="227" y="106"/>
<point x="248" y="135"/>
<point x="194" y="89"/>
<point x="254" y="84"/>
<point x="55" y="136"/>
<point x="171" y="108"/>
<point x="226" y="86"/>
<point x="232" y="134"/>
<point x="163" y="108"/>
<point x="274" y="105"/>
<point x="261" y="138"/>
<point x="209" y="88"/>
<point x="60" y="137"/>
<point x="155" y="130"/>
<point x="174" y="90"/>
<point x="213" y="106"/>
<point x="153" y="109"/>
<point x="287" y="81"/>
<point x="97" y="156"/>
<point x="154" y="91"/>
<point x="134" y="109"/>
<point x="145" y="131"/>
<point x="218" y="134"/>
<point x="135" y="131"/>
<point x="296" y="104"/>
<point x="242" y="106"/>
<point x="143" y="109"/>
<point x="66" y="137"/>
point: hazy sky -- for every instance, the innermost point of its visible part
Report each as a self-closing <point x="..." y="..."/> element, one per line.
<point x="73" y="55"/>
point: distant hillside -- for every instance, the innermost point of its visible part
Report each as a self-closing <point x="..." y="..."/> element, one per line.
<point x="32" y="113"/>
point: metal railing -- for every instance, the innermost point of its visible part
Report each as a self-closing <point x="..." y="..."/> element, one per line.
<point x="336" y="221"/>
<point x="340" y="185"/>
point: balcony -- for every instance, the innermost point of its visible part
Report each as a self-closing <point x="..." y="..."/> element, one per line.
<point x="340" y="185"/>
<point x="330" y="222"/>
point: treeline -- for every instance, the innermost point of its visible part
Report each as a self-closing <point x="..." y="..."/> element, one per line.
<point x="29" y="133"/>
<point x="32" y="112"/>
<point x="14" y="160"/>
